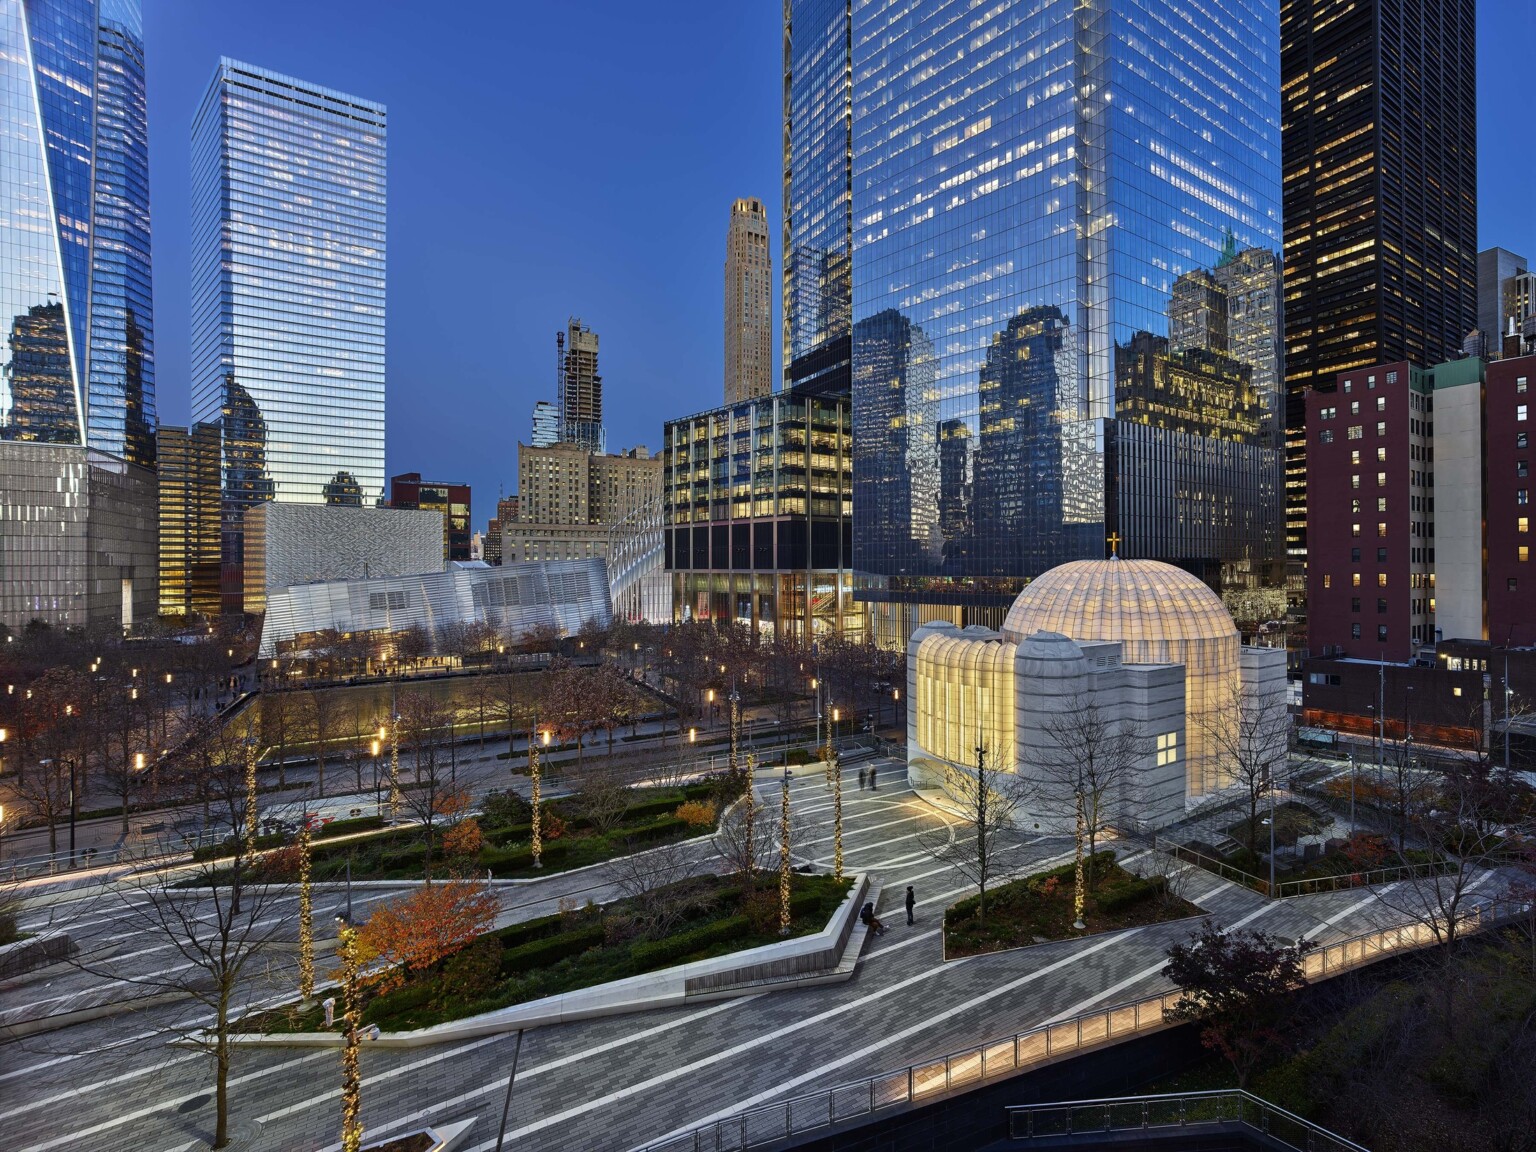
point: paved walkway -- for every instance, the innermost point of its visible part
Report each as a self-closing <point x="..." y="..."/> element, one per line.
<point x="620" y="1082"/>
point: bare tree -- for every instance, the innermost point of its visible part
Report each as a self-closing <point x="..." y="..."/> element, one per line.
<point x="986" y="798"/>
<point x="322" y="719"/>
<point x="219" y="921"/>
<point x="745" y="837"/>
<point x="652" y="880"/>
<point x="423" y="718"/>
<point x="1251" y="737"/>
<point x="1090" y="766"/>
<point x="603" y="797"/>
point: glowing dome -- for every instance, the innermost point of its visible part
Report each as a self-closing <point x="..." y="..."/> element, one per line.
<point x="1160" y="615"/>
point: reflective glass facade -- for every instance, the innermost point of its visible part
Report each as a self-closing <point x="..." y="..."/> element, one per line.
<point x="121" y="402"/>
<point x="1065" y="289"/>
<point x="288" y="232"/>
<point x="76" y="344"/>
<point x="818" y="226"/>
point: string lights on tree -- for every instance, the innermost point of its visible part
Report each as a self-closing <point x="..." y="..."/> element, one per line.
<point x="352" y="1017"/>
<point x="306" y="918"/>
<point x="784" y="856"/>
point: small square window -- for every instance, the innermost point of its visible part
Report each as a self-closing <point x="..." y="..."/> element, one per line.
<point x="1354" y="530"/>
<point x="1523" y="524"/>
<point x="1354" y="481"/>
<point x="1455" y="691"/>
<point x="1522" y="411"/>
<point x="1356" y="432"/>
<point x="1381" y="530"/>
<point x="1349" y="386"/>
<point x="1392" y="377"/>
<point x="1512" y="584"/>
<point x="1354" y="631"/>
<point x="1354" y="580"/>
<point x="1522" y="495"/>
<point x="1381" y="479"/>
<point x="1327" y="580"/>
<point x="1354" y="457"/>
<point x="1522" y="440"/>
<point x="1381" y="503"/>
<point x="1522" y="467"/>
<point x="1381" y="631"/>
<point x="1381" y="579"/>
<point x="1525" y="553"/>
<point x="1354" y="603"/>
<point x="1381" y="403"/>
<point x="1381" y="427"/>
<point x="1354" y="555"/>
<point x="1381" y="607"/>
<point x="1354" y="407"/>
<point x="1381" y="555"/>
<point x="1381" y="455"/>
<point x="1325" y="436"/>
<point x="1520" y="385"/>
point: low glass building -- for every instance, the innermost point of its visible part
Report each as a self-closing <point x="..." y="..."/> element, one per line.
<point x="758" y="501"/>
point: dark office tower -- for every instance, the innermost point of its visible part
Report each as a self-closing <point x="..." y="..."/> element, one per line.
<point x="895" y="442"/>
<point x="818" y="199"/>
<point x="1380" y="147"/>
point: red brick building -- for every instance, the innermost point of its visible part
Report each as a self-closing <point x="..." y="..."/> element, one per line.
<point x="1370" y="513"/>
<point x="409" y="490"/>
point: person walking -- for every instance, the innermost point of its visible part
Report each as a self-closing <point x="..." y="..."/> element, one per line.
<point x="911" y="904"/>
<point x="862" y="774"/>
<point x="872" y="778"/>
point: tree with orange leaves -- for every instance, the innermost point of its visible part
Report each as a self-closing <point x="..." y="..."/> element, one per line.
<point x="406" y="937"/>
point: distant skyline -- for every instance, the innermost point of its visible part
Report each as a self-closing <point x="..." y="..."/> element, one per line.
<point x="549" y="161"/>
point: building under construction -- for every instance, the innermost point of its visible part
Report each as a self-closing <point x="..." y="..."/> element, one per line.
<point x="581" y="387"/>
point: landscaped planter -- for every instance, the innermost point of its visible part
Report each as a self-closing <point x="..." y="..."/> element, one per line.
<point x="442" y="1138"/>
<point x="714" y="978"/>
<point x="23" y="956"/>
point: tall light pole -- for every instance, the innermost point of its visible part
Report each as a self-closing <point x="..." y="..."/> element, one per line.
<point x="784" y="856"/>
<point x="1270" y="773"/>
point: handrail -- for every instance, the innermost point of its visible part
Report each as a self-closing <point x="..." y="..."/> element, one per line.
<point x="1286" y="889"/>
<point x="932" y="1080"/>
<point x="1173" y="1110"/>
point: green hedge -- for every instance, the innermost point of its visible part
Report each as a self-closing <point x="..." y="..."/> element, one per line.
<point x="651" y="954"/>
<point x="1123" y="896"/>
<point x="349" y="826"/>
<point x="550" y="950"/>
<point x="538" y="929"/>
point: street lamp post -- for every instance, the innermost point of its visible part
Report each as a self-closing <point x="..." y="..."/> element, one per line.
<point x="1269" y="772"/>
<point x="378" y="792"/>
<point x="1351" y="793"/>
<point x="74" y="810"/>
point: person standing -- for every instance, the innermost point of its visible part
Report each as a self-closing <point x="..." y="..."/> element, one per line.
<point x="872" y="778"/>
<point x="911" y="904"/>
<point x="861" y="777"/>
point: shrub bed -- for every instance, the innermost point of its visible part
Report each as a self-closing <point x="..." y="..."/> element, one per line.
<point x="1039" y="908"/>
<point x="582" y="948"/>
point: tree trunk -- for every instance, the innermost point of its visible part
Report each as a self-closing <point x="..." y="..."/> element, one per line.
<point x="221" y="1072"/>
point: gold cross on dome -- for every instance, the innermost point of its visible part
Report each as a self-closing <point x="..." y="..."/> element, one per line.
<point x="1113" y="540"/>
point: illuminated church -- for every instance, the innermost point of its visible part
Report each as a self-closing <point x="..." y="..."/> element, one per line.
<point x="1146" y="642"/>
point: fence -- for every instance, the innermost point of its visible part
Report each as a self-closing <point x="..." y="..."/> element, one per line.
<point x="931" y="1080"/>
<point x="1183" y="1111"/>
<point x="1308" y="887"/>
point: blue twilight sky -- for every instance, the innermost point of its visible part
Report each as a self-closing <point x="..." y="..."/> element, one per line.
<point x="549" y="159"/>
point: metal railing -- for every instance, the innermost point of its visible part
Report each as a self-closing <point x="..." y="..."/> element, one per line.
<point x="1285" y="889"/>
<point x="931" y="1080"/>
<point x="1183" y="1111"/>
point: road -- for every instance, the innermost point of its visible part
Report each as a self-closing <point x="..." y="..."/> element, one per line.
<point x="621" y="1082"/>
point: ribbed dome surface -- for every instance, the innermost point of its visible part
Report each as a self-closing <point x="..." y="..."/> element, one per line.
<point x="1158" y="614"/>
<point x="1144" y="603"/>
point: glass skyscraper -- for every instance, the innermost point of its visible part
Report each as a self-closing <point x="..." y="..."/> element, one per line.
<point x="1064" y="286"/>
<point x="288" y="282"/>
<point x="77" y="362"/>
<point x="77" y="395"/>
